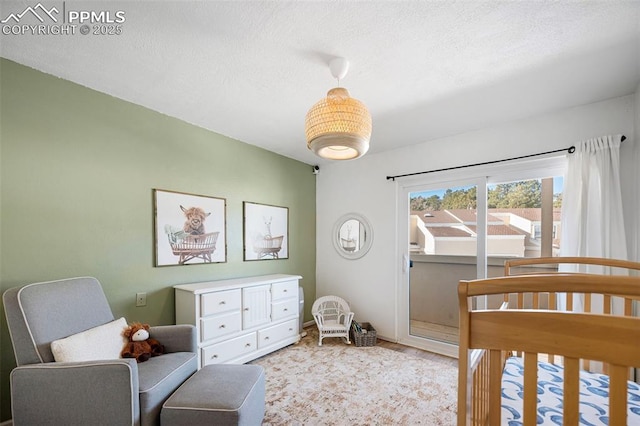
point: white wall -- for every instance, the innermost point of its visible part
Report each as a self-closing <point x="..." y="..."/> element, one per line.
<point x="630" y="177"/>
<point x="635" y="192"/>
<point x="370" y="284"/>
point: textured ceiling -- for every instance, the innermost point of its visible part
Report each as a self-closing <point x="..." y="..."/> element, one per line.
<point x="251" y="69"/>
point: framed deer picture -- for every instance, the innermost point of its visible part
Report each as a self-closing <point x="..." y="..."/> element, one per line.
<point x="266" y="231"/>
<point x="189" y="229"/>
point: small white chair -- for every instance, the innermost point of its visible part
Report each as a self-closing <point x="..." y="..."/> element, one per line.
<point x="333" y="317"/>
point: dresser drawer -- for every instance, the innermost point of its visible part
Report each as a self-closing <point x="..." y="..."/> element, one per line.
<point x="229" y="349"/>
<point x="284" y="290"/>
<point x="219" y="325"/>
<point x="284" y="309"/>
<point x="272" y="335"/>
<point x="220" y="301"/>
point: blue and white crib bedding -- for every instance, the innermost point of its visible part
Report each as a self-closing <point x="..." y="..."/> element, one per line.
<point x="594" y="396"/>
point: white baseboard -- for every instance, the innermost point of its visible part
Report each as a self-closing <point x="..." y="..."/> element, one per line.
<point x="7" y="423"/>
<point x="388" y="339"/>
<point x="304" y="325"/>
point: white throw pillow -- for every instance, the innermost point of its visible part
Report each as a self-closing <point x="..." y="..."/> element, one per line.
<point x="102" y="342"/>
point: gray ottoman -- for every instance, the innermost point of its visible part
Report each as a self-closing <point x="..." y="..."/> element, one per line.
<point x="222" y="394"/>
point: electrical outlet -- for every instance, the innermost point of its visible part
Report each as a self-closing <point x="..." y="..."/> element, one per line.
<point x="141" y="299"/>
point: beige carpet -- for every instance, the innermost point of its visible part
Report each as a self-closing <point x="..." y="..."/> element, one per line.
<point x="339" y="384"/>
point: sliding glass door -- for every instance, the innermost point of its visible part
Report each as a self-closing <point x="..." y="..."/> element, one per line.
<point x="465" y="229"/>
<point x="443" y="246"/>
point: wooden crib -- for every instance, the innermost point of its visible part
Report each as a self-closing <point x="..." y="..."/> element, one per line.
<point x="506" y="349"/>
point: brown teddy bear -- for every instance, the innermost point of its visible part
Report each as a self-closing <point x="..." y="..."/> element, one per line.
<point x="140" y="345"/>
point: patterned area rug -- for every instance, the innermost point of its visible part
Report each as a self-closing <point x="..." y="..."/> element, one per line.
<point x="340" y="384"/>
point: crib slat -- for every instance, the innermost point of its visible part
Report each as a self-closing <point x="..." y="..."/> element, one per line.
<point x="483" y="403"/>
<point x="586" y="364"/>
<point x="475" y="394"/>
<point x="484" y="384"/>
<point x="495" y="387"/>
<point x="536" y="300"/>
<point x="618" y="395"/>
<point x="520" y="300"/>
<point x="530" y="388"/>
<point x="606" y="304"/>
<point x="606" y="309"/>
<point x="569" y="301"/>
<point x="553" y="307"/>
<point x="571" y="396"/>
<point x="628" y="311"/>
<point x="628" y="307"/>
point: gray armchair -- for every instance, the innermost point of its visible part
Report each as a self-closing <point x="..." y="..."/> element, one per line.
<point x="106" y="392"/>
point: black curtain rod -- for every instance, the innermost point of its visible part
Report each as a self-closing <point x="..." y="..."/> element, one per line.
<point x="570" y="150"/>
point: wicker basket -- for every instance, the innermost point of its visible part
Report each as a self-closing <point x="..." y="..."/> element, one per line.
<point x="366" y="337"/>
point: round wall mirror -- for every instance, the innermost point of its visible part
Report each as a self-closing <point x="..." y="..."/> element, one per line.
<point x="352" y="236"/>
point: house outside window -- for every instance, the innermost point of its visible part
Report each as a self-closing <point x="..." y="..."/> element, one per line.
<point x="444" y="222"/>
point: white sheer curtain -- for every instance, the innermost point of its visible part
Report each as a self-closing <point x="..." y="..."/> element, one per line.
<point x="592" y="220"/>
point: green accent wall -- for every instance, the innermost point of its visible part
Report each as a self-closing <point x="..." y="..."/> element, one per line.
<point x="77" y="172"/>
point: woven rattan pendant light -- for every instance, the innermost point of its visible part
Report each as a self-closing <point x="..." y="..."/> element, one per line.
<point x="338" y="127"/>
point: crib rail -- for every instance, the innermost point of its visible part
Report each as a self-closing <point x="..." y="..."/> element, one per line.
<point x="536" y="329"/>
<point x="570" y="301"/>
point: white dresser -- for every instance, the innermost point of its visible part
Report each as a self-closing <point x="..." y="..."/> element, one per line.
<point x="240" y="319"/>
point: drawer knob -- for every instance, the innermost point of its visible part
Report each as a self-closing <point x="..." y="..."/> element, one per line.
<point x="248" y="345"/>
<point x="266" y="338"/>
<point x="290" y="329"/>
<point x="285" y="309"/>
<point x="222" y="326"/>
<point x="223" y="302"/>
<point x="285" y="290"/>
<point x="246" y="309"/>
<point x="214" y="357"/>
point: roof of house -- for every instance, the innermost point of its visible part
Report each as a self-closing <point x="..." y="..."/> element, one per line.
<point x="448" y="231"/>
<point x="435" y="216"/>
<point x="470" y="216"/>
<point x="532" y="214"/>
<point x="499" y="230"/>
<point x="447" y="223"/>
